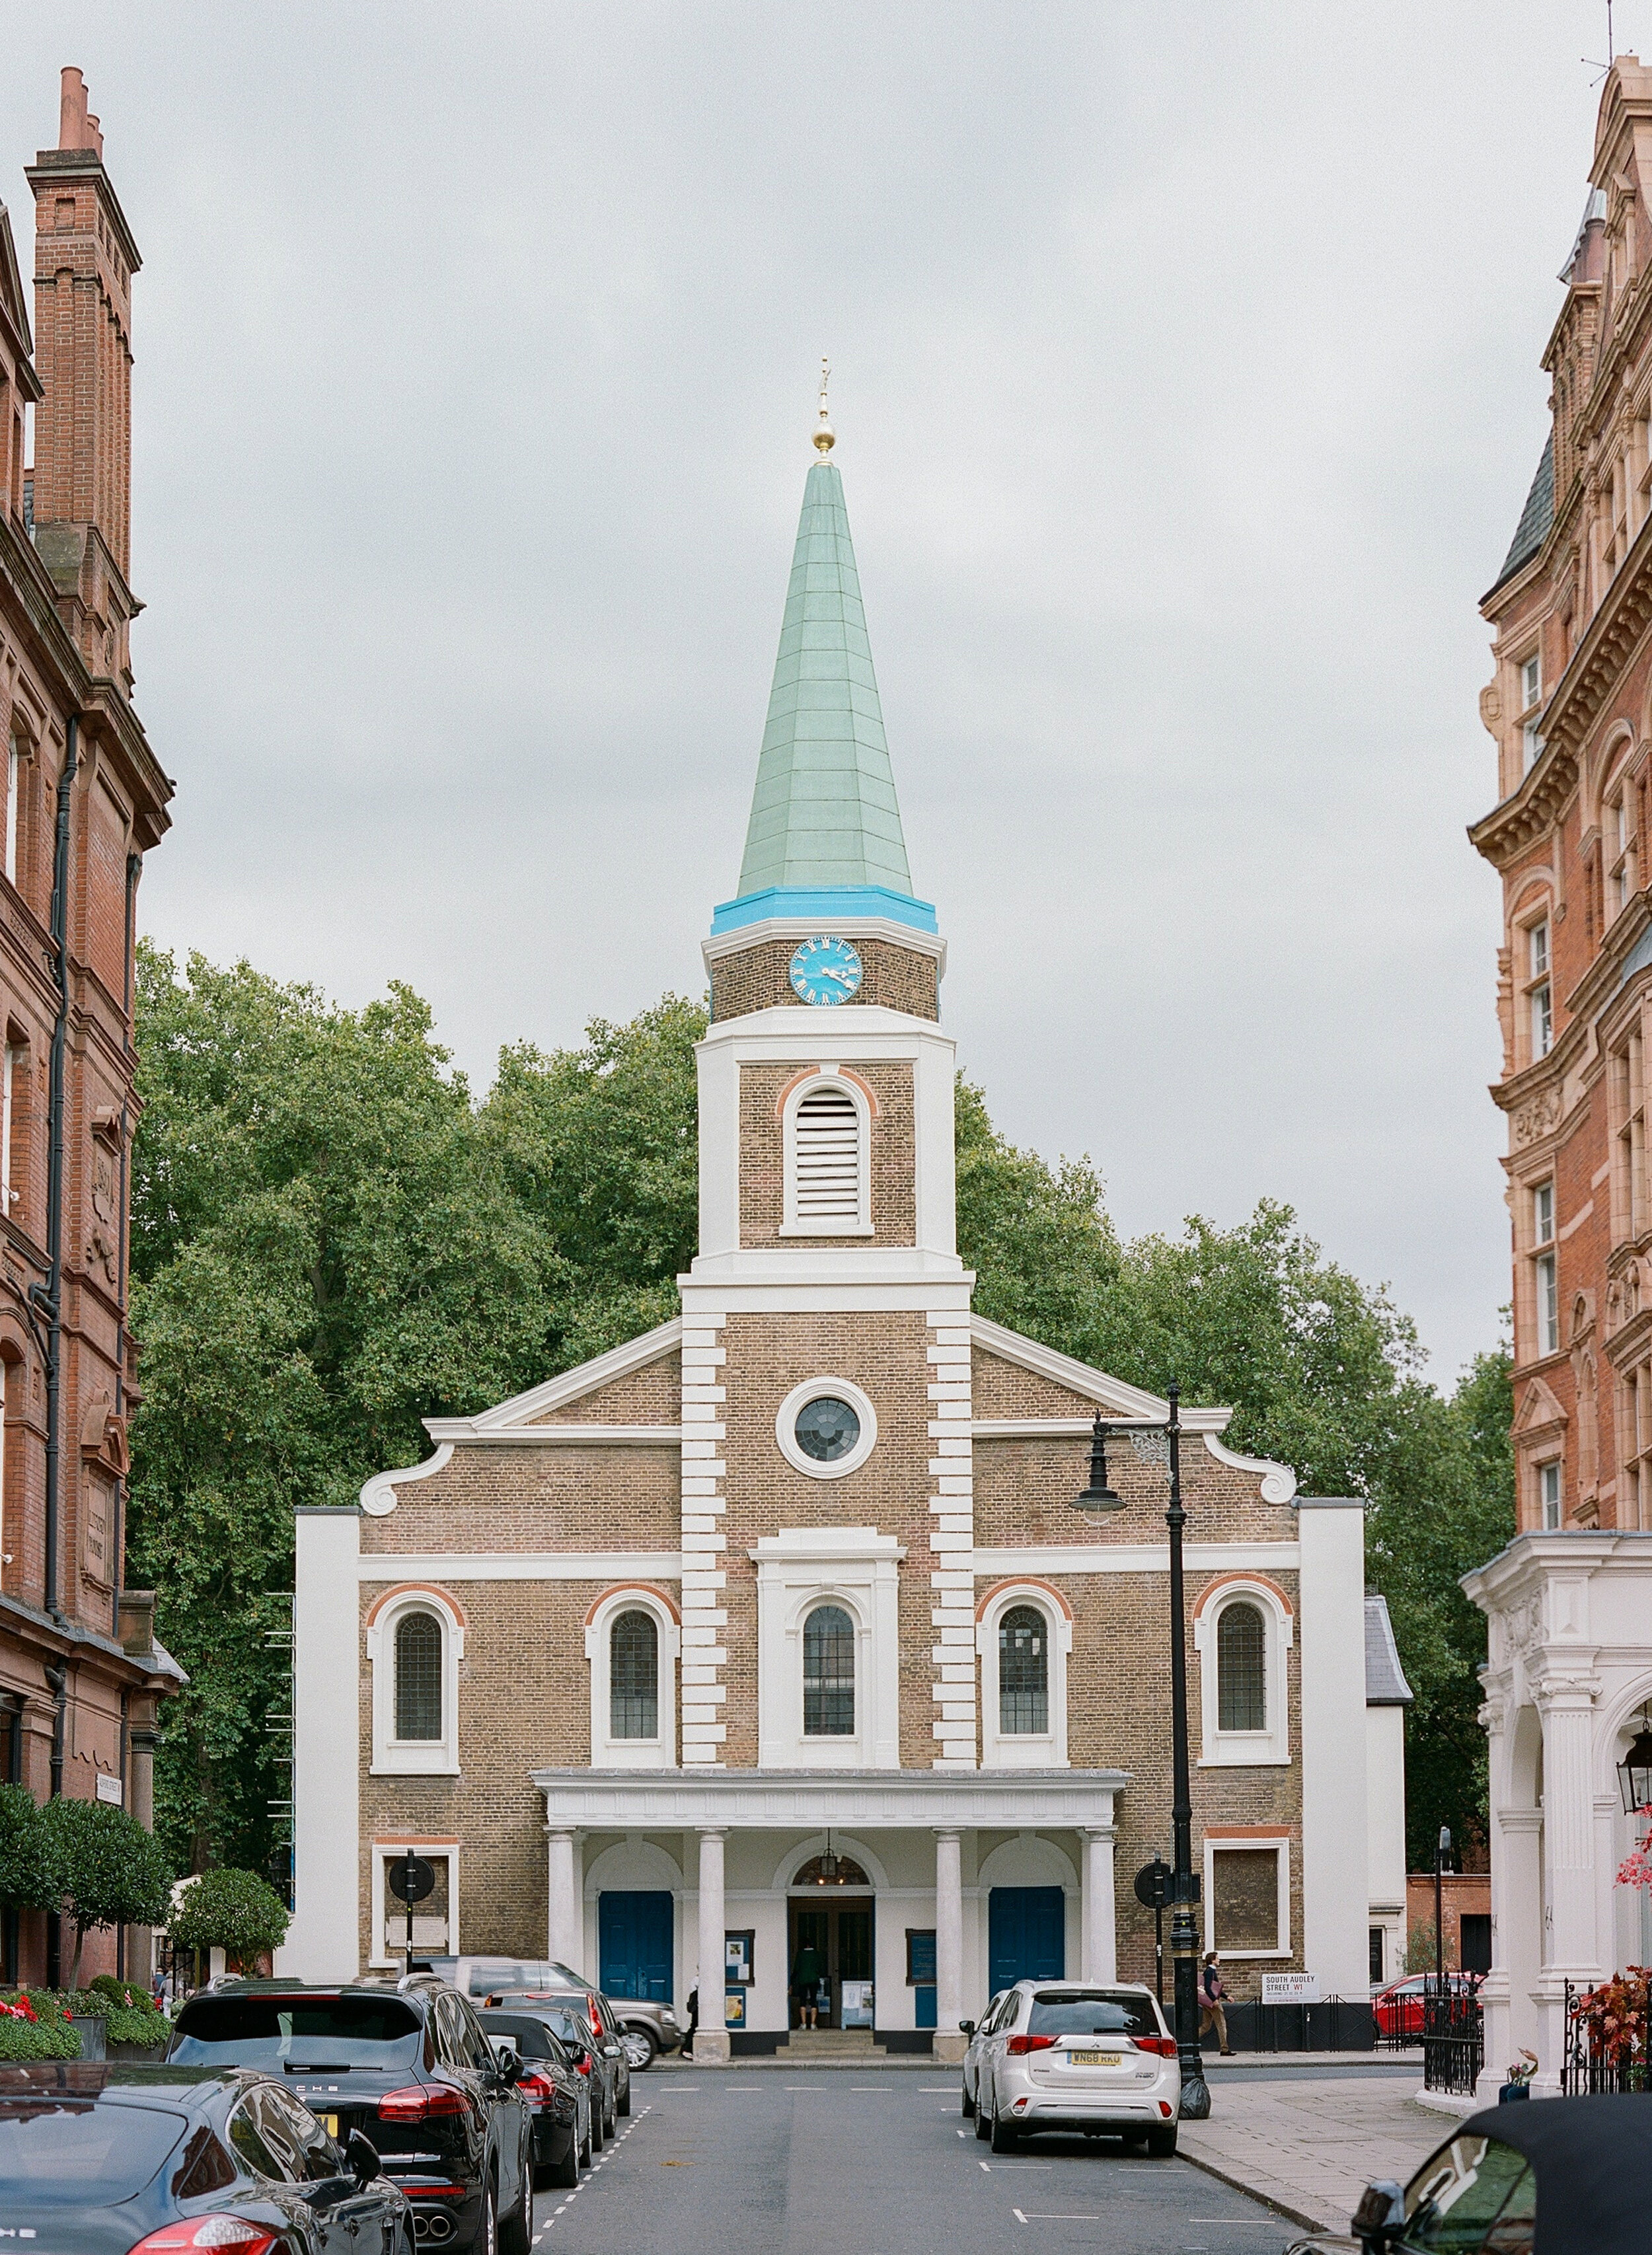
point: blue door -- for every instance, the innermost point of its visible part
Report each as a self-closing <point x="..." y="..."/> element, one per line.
<point x="634" y="1939"/>
<point x="1026" y="1935"/>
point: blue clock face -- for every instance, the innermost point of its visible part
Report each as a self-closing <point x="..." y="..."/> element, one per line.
<point x="824" y="971"/>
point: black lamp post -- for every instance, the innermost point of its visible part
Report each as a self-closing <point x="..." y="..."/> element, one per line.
<point x="1183" y="1893"/>
<point x="1442" y="1855"/>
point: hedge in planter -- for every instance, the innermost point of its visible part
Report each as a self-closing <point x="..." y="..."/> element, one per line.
<point x="133" y="2017"/>
<point x="107" y="1870"/>
<point x="28" y="2034"/>
<point x="233" y="1911"/>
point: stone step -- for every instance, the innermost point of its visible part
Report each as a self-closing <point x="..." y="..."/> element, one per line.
<point x="830" y="2043"/>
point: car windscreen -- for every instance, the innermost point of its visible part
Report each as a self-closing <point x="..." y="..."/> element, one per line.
<point x="532" y="2037"/>
<point x="81" y="2155"/>
<point x="1096" y="2012"/>
<point x="373" y="2032"/>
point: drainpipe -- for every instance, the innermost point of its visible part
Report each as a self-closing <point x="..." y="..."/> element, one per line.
<point x="57" y="1677"/>
<point x="51" y="1298"/>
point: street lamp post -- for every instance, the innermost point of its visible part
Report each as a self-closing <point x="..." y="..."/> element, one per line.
<point x="1184" y="1887"/>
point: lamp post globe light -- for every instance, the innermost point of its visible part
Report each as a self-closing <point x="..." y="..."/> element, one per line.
<point x="1184" y="1889"/>
<point x="1634" y="1771"/>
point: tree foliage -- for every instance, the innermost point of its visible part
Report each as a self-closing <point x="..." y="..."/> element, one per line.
<point x="26" y="1877"/>
<point x="234" y="1911"/>
<point x="333" y="1241"/>
<point x="103" y="1867"/>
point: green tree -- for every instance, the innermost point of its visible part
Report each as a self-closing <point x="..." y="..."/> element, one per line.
<point x="25" y="1876"/>
<point x="233" y="1911"/>
<point x="104" y="1869"/>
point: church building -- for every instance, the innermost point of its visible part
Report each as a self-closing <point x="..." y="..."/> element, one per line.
<point x="778" y="1626"/>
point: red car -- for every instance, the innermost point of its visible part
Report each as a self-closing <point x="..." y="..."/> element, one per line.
<point x="1399" y="2007"/>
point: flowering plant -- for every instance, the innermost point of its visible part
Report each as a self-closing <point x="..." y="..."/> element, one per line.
<point x="22" y="2010"/>
<point x="1615" y="2015"/>
<point x="1635" y="1869"/>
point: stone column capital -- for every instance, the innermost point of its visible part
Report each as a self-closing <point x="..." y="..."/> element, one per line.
<point x="948" y="1831"/>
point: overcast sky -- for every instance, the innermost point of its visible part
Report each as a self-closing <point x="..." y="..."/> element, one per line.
<point x="1185" y="379"/>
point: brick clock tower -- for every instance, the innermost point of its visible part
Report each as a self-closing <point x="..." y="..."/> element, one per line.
<point x="827" y="1236"/>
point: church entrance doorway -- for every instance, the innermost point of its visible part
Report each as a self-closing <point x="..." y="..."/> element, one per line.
<point x="829" y="1944"/>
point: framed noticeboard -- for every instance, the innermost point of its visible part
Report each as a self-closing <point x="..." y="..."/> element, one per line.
<point x="734" y="2008"/>
<point x="739" y="1953"/>
<point x="920" y="1956"/>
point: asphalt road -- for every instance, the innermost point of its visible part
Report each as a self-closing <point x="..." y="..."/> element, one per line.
<point x="717" y="2163"/>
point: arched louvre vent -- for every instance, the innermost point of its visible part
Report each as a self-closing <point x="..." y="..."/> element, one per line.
<point x="827" y="1157"/>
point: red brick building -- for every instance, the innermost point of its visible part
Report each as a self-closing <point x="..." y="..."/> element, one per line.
<point x="84" y="800"/>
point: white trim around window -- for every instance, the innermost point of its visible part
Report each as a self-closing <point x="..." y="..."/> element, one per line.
<point x="859" y="1569"/>
<point x="608" y="1751"/>
<point x="1002" y="1749"/>
<point x="384" y="1852"/>
<point x="839" y="1188"/>
<point x="1270" y="1746"/>
<point x="817" y="1389"/>
<point x="1280" y="1843"/>
<point x="395" y="1757"/>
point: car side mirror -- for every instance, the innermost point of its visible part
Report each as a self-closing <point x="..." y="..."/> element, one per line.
<point x="361" y="2156"/>
<point x="966" y="2028"/>
<point x="1380" y="2218"/>
<point x="509" y="2066"/>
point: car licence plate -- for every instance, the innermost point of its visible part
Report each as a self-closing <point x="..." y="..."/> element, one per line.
<point x="330" y="2123"/>
<point x="1095" y="2059"/>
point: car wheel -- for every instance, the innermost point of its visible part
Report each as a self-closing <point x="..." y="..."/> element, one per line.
<point x="585" y="2148"/>
<point x="625" y="2102"/>
<point x="567" y="2171"/>
<point x="610" y="2126"/>
<point x="488" y="2237"/>
<point x="983" y="2119"/>
<point x="1162" y="2143"/>
<point x="968" y="2108"/>
<point x="1003" y="2134"/>
<point x="516" y="2233"/>
<point x="640" y="2049"/>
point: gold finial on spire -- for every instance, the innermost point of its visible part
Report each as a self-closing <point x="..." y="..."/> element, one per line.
<point x="826" y="436"/>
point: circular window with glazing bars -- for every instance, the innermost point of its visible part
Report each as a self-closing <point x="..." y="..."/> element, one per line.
<point x="827" y="1427"/>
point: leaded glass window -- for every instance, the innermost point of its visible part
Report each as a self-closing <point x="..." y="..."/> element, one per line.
<point x="419" y="1676"/>
<point x="633" y="1677"/>
<point x="1023" y="1672"/>
<point x="1242" y="1683"/>
<point x="828" y="1673"/>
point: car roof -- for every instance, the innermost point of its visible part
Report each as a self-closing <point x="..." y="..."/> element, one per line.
<point x="411" y="1988"/>
<point x="127" y="2081"/>
<point x="1085" y="1988"/>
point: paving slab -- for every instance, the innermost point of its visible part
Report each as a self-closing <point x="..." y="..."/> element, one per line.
<point x="1309" y="2148"/>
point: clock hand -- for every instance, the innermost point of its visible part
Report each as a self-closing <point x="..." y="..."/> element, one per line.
<point x="830" y="970"/>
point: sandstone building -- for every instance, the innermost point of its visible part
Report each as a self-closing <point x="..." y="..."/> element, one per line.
<point x="1570" y="709"/>
<point x="84" y="800"/>
<point x="779" y="1624"/>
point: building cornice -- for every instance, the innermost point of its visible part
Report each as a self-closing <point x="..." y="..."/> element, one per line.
<point x="876" y="1800"/>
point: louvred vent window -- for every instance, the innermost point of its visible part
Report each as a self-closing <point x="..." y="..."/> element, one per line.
<point x="828" y="1156"/>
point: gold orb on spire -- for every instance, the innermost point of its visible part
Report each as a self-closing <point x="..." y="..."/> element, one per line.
<point x="826" y="436"/>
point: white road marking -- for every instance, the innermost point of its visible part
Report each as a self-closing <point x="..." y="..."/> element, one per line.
<point x="993" y="2167"/>
<point x="1055" y="2215"/>
<point x="963" y="2133"/>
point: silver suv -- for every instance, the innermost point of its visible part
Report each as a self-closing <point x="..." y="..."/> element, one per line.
<point x="1085" y="2055"/>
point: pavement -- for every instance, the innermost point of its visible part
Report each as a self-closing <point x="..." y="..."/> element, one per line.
<point x="1308" y="2142"/>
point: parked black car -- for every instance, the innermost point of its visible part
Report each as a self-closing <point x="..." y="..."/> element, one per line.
<point x="102" y="2160"/>
<point x="408" y="2066"/>
<point x="598" y="2058"/>
<point x="560" y="2098"/>
<point x="603" y="2020"/>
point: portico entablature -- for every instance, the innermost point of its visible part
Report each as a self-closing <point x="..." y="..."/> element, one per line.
<point x="880" y="1800"/>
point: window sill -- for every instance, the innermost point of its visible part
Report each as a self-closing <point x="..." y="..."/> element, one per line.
<point x="825" y="1229"/>
<point x="393" y="1765"/>
<point x="1228" y="1953"/>
<point x="1242" y="1758"/>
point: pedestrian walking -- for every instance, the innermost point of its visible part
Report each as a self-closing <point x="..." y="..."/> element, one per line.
<point x="1211" y="1992"/>
<point x="693" y="2021"/>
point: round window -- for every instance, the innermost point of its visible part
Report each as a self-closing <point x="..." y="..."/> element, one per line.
<point x="827" y="1428"/>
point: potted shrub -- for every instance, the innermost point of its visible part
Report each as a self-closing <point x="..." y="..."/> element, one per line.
<point x="104" y="1869"/>
<point x="233" y="1911"/>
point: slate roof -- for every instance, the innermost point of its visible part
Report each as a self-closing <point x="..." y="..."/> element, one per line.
<point x="823" y="812"/>
<point x="1536" y="518"/>
<point x="1385" y="1683"/>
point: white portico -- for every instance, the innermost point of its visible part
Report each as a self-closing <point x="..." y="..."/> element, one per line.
<point x="931" y="1844"/>
<point x="1569" y="1677"/>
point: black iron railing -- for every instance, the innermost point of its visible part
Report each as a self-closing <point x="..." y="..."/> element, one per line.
<point x="1598" y="2060"/>
<point x="1453" y="2036"/>
<point x="1337" y="2024"/>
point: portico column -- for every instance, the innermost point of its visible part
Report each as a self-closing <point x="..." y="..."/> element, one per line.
<point x="1571" y="1948"/>
<point x="566" y="1939"/>
<point x="950" y="2043"/>
<point x="711" y="2041"/>
<point x="1100" y="1951"/>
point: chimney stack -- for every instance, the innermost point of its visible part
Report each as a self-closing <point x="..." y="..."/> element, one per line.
<point x="84" y="258"/>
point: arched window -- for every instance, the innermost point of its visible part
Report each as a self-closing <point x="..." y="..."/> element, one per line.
<point x="828" y="1673"/>
<point x="1242" y="1680"/>
<point x="1023" y="1672"/>
<point x="419" y="1677"/>
<point x="634" y="1676"/>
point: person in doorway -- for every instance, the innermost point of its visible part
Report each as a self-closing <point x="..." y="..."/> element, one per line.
<point x="1212" y="1993"/>
<point x="693" y="2023"/>
<point x="806" y="1970"/>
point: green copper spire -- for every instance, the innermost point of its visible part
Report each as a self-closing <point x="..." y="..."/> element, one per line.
<point x="823" y="814"/>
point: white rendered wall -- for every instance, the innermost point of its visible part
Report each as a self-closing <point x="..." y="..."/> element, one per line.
<point x="323" y="1942"/>
<point x="1385" y="1829"/>
<point x="1335" y="1940"/>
